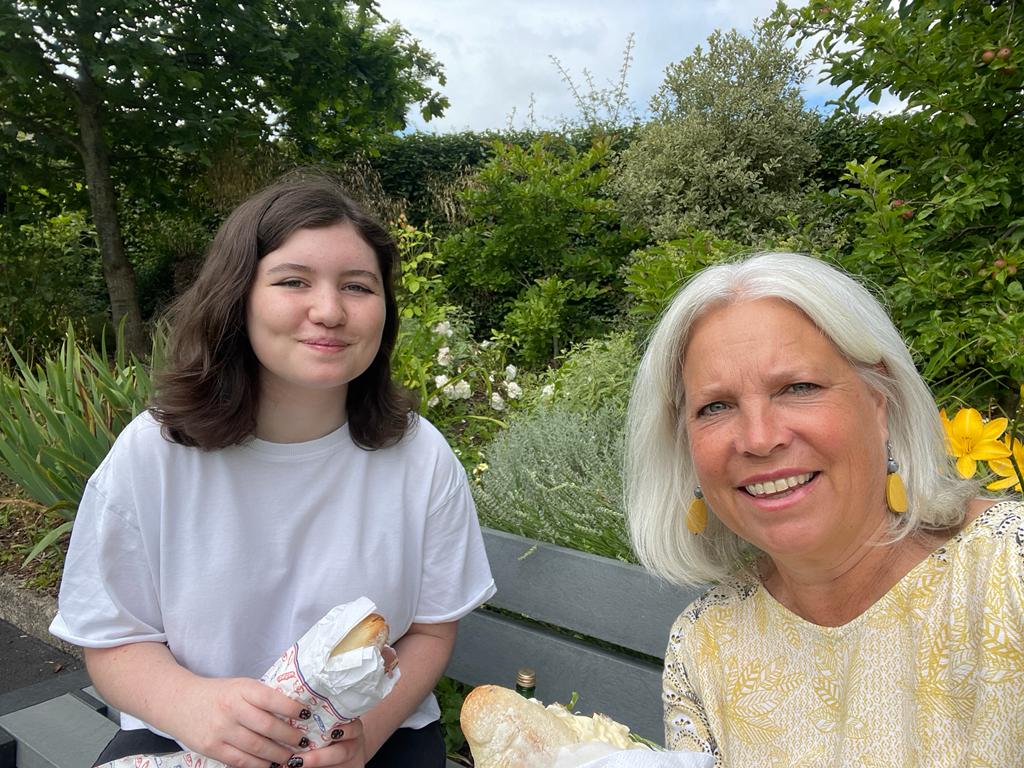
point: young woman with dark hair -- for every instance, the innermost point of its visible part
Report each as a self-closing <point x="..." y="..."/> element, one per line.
<point x="279" y="472"/>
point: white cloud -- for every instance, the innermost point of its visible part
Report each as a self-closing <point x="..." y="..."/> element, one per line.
<point x="496" y="55"/>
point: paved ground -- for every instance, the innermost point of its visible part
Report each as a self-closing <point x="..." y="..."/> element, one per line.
<point x="24" y="660"/>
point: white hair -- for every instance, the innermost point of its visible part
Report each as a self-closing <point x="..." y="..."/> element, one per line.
<point x="659" y="472"/>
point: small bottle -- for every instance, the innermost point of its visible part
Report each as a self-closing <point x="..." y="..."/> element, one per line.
<point x="526" y="682"/>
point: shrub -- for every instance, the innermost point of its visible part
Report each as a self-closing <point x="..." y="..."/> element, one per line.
<point x="959" y="310"/>
<point x="50" y="277"/>
<point x="595" y="374"/>
<point x="840" y="138"/>
<point x="423" y="306"/>
<point x="556" y="473"/>
<point x="654" y="274"/>
<point x="464" y="386"/>
<point x="59" y="418"/>
<point x="411" y="166"/>
<point x="730" y="149"/>
<point x="535" y="322"/>
<point x="532" y="214"/>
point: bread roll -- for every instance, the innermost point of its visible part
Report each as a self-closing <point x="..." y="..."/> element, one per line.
<point x="505" y="730"/>
<point x="372" y="630"/>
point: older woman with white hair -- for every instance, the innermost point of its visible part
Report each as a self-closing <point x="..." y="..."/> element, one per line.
<point x="867" y="607"/>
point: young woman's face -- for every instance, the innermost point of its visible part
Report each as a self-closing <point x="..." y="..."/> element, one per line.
<point x="787" y="440"/>
<point x="315" y="312"/>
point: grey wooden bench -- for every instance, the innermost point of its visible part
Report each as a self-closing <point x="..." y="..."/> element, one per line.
<point x="586" y="624"/>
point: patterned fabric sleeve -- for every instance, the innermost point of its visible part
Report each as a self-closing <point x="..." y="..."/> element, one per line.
<point x="686" y="723"/>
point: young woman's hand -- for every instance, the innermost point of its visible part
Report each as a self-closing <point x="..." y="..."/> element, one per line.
<point x="238" y="721"/>
<point x="348" y="751"/>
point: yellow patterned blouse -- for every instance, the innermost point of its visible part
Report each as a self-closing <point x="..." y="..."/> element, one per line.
<point x="930" y="675"/>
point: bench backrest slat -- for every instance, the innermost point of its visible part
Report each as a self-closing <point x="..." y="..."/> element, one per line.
<point x="616" y="602"/>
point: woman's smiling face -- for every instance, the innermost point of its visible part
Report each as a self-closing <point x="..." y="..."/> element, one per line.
<point x="315" y="313"/>
<point x="788" y="442"/>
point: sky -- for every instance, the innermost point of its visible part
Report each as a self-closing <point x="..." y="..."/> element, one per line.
<point x="497" y="53"/>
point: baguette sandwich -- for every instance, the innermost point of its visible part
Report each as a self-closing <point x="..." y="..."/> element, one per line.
<point x="372" y="630"/>
<point x="336" y="680"/>
<point x="506" y="730"/>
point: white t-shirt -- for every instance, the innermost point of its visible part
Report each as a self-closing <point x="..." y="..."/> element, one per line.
<point x="229" y="556"/>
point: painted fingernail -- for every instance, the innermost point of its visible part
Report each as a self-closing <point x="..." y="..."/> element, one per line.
<point x="303" y="742"/>
<point x="305" y="714"/>
<point x="295" y="762"/>
<point x="337" y="733"/>
<point x="275" y="765"/>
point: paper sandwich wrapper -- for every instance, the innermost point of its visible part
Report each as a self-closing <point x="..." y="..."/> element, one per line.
<point x="335" y="689"/>
<point x="594" y="754"/>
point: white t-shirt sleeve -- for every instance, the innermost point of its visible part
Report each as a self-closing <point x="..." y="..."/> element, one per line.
<point x="108" y="593"/>
<point x="456" y="575"/>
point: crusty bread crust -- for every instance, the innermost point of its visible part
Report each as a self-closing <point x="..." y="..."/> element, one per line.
<point x="372" y="630"/>
<point x="505" y="730"/>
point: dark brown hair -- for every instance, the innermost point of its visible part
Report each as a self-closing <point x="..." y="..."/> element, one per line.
<point x="207" y="396"/>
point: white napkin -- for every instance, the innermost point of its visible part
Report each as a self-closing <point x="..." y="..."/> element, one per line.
<point x="593" y="754"/>
<point x="336" y="690"/>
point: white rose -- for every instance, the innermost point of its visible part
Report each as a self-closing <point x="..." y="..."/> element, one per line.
<point x="440" y="380"/>
<point x="547" y="391"/>
<point x="444" y="356"/>
<point x="497" y="403"/>
<point x="514" y="391"/>
<point x="510" y="372"/>
<point x="443" y="328"/>
<point x="449" y="391"/>
<point x="432" y="402"/>
<point x="462" y="390"/>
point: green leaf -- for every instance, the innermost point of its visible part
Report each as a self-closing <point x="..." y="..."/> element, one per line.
<point x="191" y="80"/>
<point x="47" y="540"/>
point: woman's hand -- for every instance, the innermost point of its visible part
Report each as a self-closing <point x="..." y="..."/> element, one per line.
<point x="238" y="721"/>
<point x="348" y="751"/>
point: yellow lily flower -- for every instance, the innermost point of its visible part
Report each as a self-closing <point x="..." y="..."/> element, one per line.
<point x="970" y="439"/>
<point x="1004" y="468"/>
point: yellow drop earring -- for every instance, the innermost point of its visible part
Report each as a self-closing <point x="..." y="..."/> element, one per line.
<point x="697" y="514"/>
<point x="895" y="491"/>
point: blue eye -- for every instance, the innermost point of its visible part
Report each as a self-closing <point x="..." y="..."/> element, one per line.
<point x="712" y="408"/>
<point x="292" y="282"/>
<point x="803" y="387"/>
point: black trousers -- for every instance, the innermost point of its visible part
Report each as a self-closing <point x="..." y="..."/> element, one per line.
<point x="407" y="747"/>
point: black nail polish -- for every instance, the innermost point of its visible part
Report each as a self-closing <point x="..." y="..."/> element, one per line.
<point x="305" y="714"/>
<point x="337" y="733"/>
<point x="303" y="742"/>
<point x="275" y="765"/>
<point x="295" y="762"/>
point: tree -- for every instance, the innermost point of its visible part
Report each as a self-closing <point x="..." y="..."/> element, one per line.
<point x="122" y="84"/>
<point x="730" y="146"/>
<point x="957" y="67"/>
<point x="940" y="223"/>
